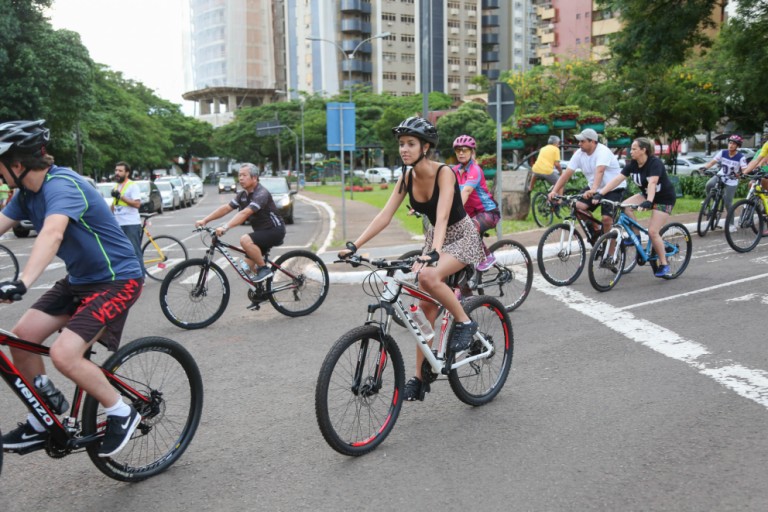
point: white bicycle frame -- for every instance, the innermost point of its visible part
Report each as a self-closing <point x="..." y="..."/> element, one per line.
<point x="435" y="357"/>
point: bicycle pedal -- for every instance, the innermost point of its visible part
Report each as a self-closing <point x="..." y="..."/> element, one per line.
<point x="254" y="306"/>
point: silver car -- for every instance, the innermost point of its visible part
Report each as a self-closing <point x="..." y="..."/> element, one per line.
<point x="171" y="198"/>
<point x="185" y="189"/>
<point x="197" y="184"/>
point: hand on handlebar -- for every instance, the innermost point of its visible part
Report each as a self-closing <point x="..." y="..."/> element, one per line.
<point x="200" y="223"/>
<point x="12" y="290"/>
<point x="596" y="198"/>
<point x="645" y="205"/>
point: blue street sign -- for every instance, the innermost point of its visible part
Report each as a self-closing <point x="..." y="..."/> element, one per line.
<point x="340" y="116"/>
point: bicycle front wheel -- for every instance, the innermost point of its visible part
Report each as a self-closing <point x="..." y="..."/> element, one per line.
<point x="511" y="277"/>
<point x="606" y="261"/>
<point x="678" y="246"/>
<point x="194" y="294"/>
<point x="359" y="390"/>
<point x="630" y="259"/>
<point x="160" y="254"/>
<point x="706" y="214"/>
<point x="744" y="225"/>
<point x="561" y="258"/>
<point x="299" y="284"/>
<point x="479" y="382"/>
<point x="9" y="265"/>
<point x="543" y="213"/>
<point x="161" y="380"/>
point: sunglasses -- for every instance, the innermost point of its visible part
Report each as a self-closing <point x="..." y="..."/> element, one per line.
<point x="462" y="150"/>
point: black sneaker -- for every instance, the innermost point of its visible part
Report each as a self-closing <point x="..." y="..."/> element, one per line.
<point x="415" y="390"/>
<point x="24" y="438"/>
<point x="119" y="431"/>
<point x="461" y="338"/>
<point x="262" y="273"/>
<point x="610" y="265"/>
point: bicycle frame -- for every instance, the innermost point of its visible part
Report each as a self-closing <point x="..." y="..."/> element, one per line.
<point x="625" y="227"/>
<point x="64" y="432"/>
<point x="573" y="217"/>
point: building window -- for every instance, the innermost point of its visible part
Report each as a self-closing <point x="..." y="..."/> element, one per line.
<point x="389" y="76"/>
<point x="406" y="18"/>
<point x="389" y="56"/>
<point x="408" y="77"/>
<point x="578" y="15"/>
<point x="388" y="16"/>
<point x="407" y="38"/>
<point x="407" y="57"/>
<point x="390" y="37"/>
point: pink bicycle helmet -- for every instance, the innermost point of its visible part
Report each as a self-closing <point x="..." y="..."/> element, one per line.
<point x="464" y="141"/>
<point x="735" y="138"/>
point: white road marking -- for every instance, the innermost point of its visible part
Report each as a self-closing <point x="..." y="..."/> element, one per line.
<point x="749" y="297"/>
<point x="746" y="382"/>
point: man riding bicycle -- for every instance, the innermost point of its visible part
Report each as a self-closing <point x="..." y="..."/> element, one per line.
<point x="104" y="279"/>
<point x="255" y="205"/>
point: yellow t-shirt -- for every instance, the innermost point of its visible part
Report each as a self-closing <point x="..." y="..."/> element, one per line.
<point x="545" y="163"/>
<point x="763" y="151"/>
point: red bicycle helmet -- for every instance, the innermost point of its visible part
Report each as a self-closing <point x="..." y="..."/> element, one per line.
<point x="464" y="141"/>
<point x="736" y="139"/>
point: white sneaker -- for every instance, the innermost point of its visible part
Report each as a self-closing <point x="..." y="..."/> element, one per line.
<point x="486" y="263"/>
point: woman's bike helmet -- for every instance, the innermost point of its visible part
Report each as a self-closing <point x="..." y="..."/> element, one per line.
<point x="417" y="127"/>
<point x="27" y="137"/>
<point x="736" y="139"/>
<point x="464" y="141"/>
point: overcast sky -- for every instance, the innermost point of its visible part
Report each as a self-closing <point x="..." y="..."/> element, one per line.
<point x="140" y="38"/>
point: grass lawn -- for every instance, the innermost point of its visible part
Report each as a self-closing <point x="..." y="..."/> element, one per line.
<point x="378" y="198"/>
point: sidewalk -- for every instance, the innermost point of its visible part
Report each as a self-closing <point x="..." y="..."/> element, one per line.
<point x="396" y="240"/>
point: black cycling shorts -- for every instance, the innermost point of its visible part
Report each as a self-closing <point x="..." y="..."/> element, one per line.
<point x="265" y="239"/>
<point x="616" y="194"/>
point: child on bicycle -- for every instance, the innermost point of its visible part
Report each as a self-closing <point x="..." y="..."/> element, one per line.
<point x="478" y="201"/>
<point x="104" y="279"/>
<point x="452" y="242"/>
<point x="731" y="162"/>
<point x="656" y="193"/>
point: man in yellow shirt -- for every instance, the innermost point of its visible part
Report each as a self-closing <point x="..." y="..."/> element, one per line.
<point x="547" y="164"/>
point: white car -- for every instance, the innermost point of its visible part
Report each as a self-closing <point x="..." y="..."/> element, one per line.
<point x="197" y="184"/>
<point x="689" y="165"/>
<point x="170" y="195"/>
<point x="105" y="189"/>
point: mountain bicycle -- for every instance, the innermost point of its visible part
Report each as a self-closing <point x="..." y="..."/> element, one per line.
<point x="609" y="252"/>
<point x="156" y="375"/>
<point x="746" y="222"/>
<point x="361" y="382"/>
<point x="562" y="255"/>
<point x="160" y="253"/>
<point x="543" y="210"/>
<point x="713" y="205"/>
<point x="9" y="265"/>
<point x="195" y="293"/>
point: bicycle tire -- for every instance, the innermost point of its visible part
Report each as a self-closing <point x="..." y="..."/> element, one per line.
<point x="748" y="230"/>
<point x="354" y="412"/>
<point x="676" y="235"/>
<point x="164" y="371"/>
<point x="561" y="265"/>
<point x="705" y="214"/>
<point x="158" y="264"/>
<point x="479" y="382"/>
<point x="604" y="276"/>
<point x="194" y="294"/>
<point x="630" y="259"/>
<point x="299" y="284"/>
<point x="543" y="213"/>
<point x="511" y="277"/>
<point x="9" y="265"/>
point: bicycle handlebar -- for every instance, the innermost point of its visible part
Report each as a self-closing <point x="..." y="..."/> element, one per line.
<point x="356" y="260"/>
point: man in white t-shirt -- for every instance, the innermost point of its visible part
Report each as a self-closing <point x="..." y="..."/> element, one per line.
<point x="126" y="205"/>
<point x="599" y="165"/>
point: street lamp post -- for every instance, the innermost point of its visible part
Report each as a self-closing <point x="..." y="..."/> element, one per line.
<point x="349" y="56"/>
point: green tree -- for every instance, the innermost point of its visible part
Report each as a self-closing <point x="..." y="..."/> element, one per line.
<point x="470" y="119"/>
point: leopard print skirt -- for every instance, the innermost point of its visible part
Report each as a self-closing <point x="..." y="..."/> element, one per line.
<point x="462" y="241"/>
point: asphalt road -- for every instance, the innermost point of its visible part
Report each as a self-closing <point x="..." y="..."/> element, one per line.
<point x="652" y="396"/>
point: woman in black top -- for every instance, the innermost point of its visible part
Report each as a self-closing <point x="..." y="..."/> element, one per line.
<point x="452" y="242"/>
<point x="656" y="192"/>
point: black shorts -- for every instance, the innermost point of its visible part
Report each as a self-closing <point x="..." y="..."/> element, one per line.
<point x="268" y="238"/>
<point x="616" y="194"/>
<point x="92" y="306"/>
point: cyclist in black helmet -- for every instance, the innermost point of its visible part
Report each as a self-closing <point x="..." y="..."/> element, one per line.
<point x="104" y="279"/>
<point x="452" y="241"/>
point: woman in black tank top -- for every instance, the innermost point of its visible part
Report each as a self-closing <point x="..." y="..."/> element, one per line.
<point x="452" y="242"/>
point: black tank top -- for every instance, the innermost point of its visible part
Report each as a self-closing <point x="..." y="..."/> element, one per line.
<point x="429" y="208"/>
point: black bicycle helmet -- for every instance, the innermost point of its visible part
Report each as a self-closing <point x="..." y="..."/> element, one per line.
<point x="23" y="136"/>
<point x="417" y="127"/>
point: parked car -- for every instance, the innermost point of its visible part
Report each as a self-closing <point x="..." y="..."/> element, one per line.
<point x="197" y="184"/>
<point x="227" y="184"/>
<point x="689" y="165"/>
<point x="151" y="199"/>
<point x="187" y="182"/>
<point x="282" y="195"/>
<point x="185" y="189"/>
<point x="105" y="189"/>
<point x="170" y="195"/>
<point x="381" y="174"/>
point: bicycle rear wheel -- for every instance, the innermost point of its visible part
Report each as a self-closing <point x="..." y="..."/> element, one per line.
<point x="744" y="225"/>
<point x="605" y="261"/>
<point x="561" y="258"/>
<point x="194" y="294"/>
<point x="678" y="245"/>
<point x="479" y="382"/>
<point x="706" y="214"/>
<point x="9" y="265"/>
<point x="170" y="402"/>
<point x="511" y="277"/>
<point x="299" y="284"/>
<point x="359" y="390"/>
<point x="543" y="212"/>
<point x="160" y="255"/>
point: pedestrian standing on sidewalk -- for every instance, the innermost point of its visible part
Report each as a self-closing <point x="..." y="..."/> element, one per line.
<point x="452" y="242"/>
<point x="126" y="206"/>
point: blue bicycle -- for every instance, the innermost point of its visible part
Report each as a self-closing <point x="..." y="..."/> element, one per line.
<point x="609" y="252"/>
